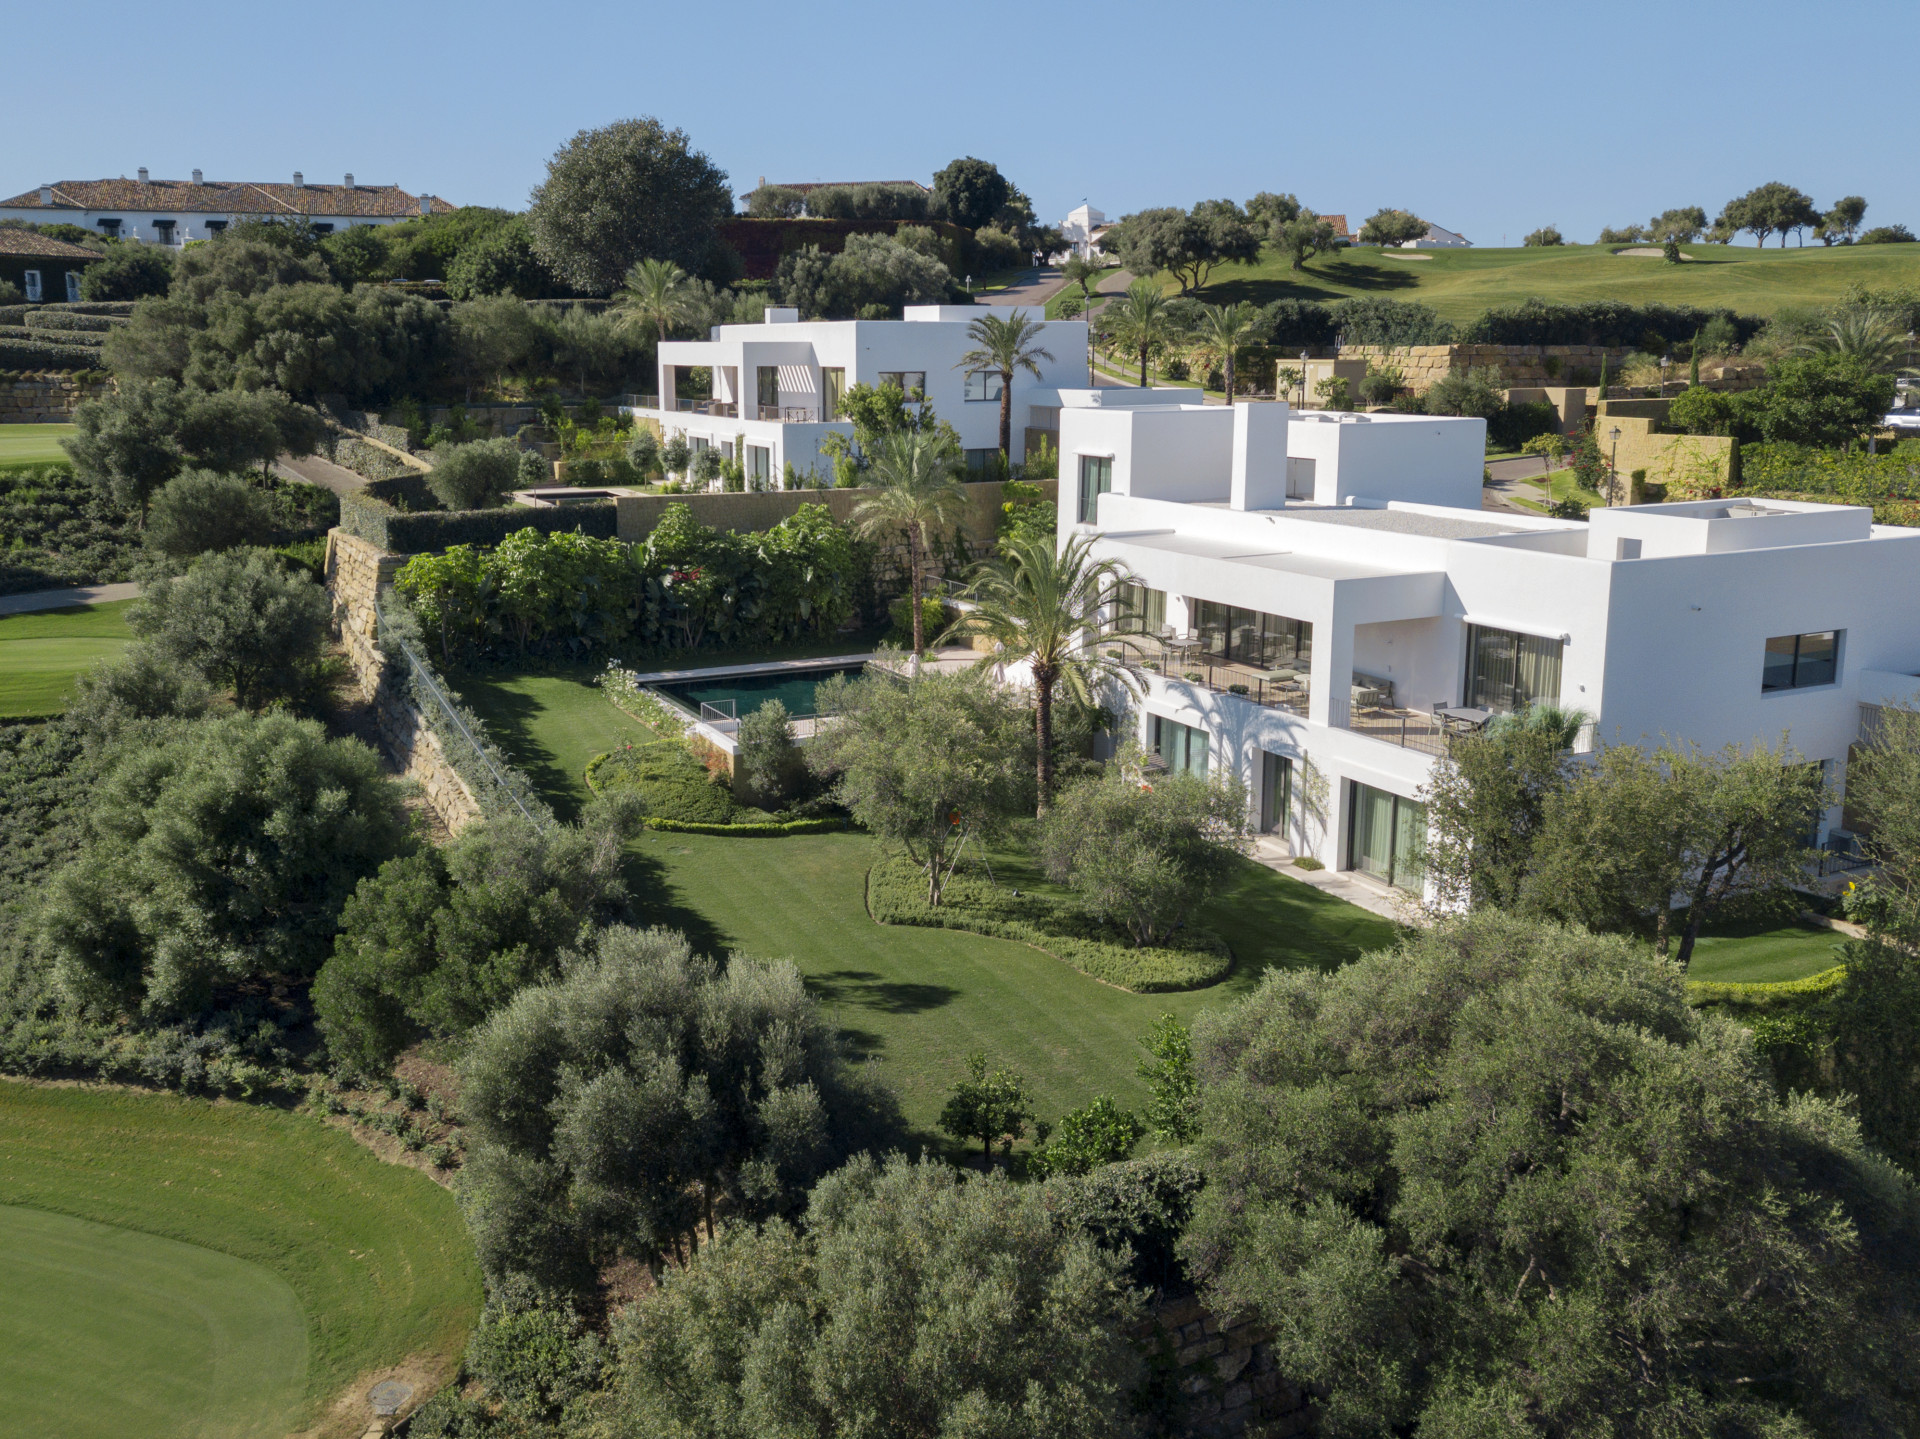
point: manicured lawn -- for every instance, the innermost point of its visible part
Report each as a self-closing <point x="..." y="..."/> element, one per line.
<point x="42" y="652"/>
<point x="32" y="444"/>
<point x="1459" y="284"/>
<point x="1559" y="486"/>
<point x="1763" y="955"/>
<point x="173" y="1266"/>
<point x="920" y="1000"/>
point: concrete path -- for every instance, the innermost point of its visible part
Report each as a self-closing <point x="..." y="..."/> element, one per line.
<point x="1374" y="898"/>
<point x="1031" y="291"/>
<point x="317" y="470"/>
<point x="62" y="599"/>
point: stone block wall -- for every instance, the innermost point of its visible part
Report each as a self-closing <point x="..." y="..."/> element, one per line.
<point x="47" y="399"/>
<point x="1227" y="1375"/>
<point x="355" y="572"/>
<point x="1525" y="365"/>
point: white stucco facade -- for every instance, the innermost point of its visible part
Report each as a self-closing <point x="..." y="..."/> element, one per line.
<point x="774" y="384"/>
<point x="175" y="212"/>
<point x="1348" y="605"/>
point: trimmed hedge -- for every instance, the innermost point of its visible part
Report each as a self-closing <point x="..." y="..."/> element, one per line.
<point x="408" y="534"/>
<point x="32" y="355"/>
<point x="1781" y="994"/>
<point x="896" y="894"/>
<point x="58" y="320"/>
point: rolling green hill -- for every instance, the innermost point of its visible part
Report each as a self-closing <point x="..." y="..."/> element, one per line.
<point x="1459" y="284"/>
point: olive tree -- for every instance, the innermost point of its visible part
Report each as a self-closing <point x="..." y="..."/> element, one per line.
<point x="914" y="1301"/>
<point x="474" y="476"/>
<point x="202" y="510"/>
<point x="1505" y="1179"/>
<point x="240" y="619"/>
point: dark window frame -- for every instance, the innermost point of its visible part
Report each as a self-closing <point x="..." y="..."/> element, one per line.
<point x="1089" y="497"/>
<point x="1804" y="670"/>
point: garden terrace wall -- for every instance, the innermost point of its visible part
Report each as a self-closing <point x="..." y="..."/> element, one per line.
<point x="49" y="397"/>
<point x="356" y="572"/>
<point x="1687" y="466"/>
<point x="1524" y="365"/>
<point x="748" y="512"/>
<point x="1227" y="1375"/>
<point x="416" y="532"/>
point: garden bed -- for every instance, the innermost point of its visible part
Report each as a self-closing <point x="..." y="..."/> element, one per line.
<point x="896" y="894"/>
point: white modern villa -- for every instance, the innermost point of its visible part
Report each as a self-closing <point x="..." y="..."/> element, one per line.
<point x="767" y="394"/>
<point x="1333" y="600"/>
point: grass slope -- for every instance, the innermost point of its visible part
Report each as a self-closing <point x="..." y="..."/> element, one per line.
<point x="110" y="1332"/>
<point x="1459" y="284"/>
<point x="375" y="1256"/>
<point x="1763" y="954"/>
<point x="32" y="445"/>
<point x="42" y="652"/>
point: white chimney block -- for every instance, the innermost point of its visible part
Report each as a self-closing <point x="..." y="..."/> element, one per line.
<point x="349" y="179"/>
<point x="46" y="194"/>
<point x="426" y="204"/>
<point x="1259" y="455"/>
<point x="299" y="181"/>
<point x="143" y="174"/>
<point x="196" y="178"/>
<point x="780" y="315"/>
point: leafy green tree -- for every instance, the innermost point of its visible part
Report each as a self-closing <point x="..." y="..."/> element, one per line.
<point x="117" y="696"/>
<point x="1087" y="1138"/>
<point x="1138" y="322"/>
<point x="916" y="1301"/>
<point x="1392" y="227"/>
<point x="1173" y="1111"/>
<point x="970" y="192"/>
<point x="1228" y="329"/>
<point x="1636" y="828"/>
<point x="474" y="476"/>
<point x="1044" y="607"/>
<point x="617" y="1110"/>
<point x="240" y="620"/>
<point x="1084" y="272"/>
<point x="1697" y="410"/>
<point x="1303" y="236"/>
<point x="1429" y="1172"/>
<point x="202" y="510"/>
<point x="992" y="1107"/>
<point x="450" y="593"/>
<point x="629" y="191"/>
<point x="928" y="765"/>
<point x="1486" y="801"/>
<point x="1145" y="853"/>
<point x="223" y="852"/>
<point x="768" y="758"/>
<point x="1545" y="235"/>
<point x="1825" y="400"/>
<point x="127" y="444"/>
<point x="1191" y="245"/>
<point x="1845" y="216"/>
<point x="358" y="254"/>
<point x="657" y="295"/>
<point x="917" y="498"/>
<point x="1475" y="391"/>
<point x="501" y="262"/>
<point x="1268" y="209"/>
<point x="1769" y="209"/>
<point x="1551" y="447"/>
<point x="1883" y="794"/>
<point x="1003" y="346"/>
<point x="1678" y="227"/>
<point x="776" y="202"/>
<point x="1887" y="235"/>
<point x="871" y="277"/>
<point x="128" y="272"/>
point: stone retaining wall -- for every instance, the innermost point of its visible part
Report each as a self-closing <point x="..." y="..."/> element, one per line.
<point x="1525" y="365"/>
<point x="356" y="571"/>
<point x="1228" y="1375"/>
<point x="47" y="399"/>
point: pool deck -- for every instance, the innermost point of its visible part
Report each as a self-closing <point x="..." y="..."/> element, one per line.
<point x="947" y="659"/>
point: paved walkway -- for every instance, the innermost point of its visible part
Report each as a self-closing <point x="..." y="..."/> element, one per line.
<point x="63" y="599"/>
<point x="1031" y="291"/>
<point x="317" y="470"/>
<point x="1376" y="899"/>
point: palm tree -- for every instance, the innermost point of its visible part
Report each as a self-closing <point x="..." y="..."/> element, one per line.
<point x="657" y="294"/>
<point x="1043" y="606"/>
<point x="1227" y="328"/>
<point x="1137" y="322"/>
<point x="916" y="496"/>
<point x="1002" y="346"/>
<point x="1871" y="334"/>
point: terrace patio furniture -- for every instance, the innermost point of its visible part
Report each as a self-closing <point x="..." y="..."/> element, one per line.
<point x="1463" y="719"/>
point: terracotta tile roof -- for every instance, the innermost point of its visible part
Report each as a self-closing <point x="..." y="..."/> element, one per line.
<point x="224" y="197"/>
<point x="1339" y="223"/>
<point x="29" y="242"/>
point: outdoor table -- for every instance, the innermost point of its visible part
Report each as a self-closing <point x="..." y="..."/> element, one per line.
<point x="1462" y="716"/>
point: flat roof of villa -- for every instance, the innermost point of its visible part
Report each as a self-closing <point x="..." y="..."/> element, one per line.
<point x="1402" y="522"/>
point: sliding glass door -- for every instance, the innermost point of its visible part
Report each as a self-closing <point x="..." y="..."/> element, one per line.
<point x="1507" y="671"/>
<point x="1387" y="837"/>
<point x="1182" y="748"/>
<point x="1232" y="635"/>
<point x="1276" y="792"/>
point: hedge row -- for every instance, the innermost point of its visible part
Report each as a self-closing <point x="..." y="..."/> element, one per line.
<point x="1780" y="994"/>
<point x="65" y="321"/>
<point x="368" y="460"/>
<point x="32" y="355"/>
<point x="412" y="534"/>
<point x="770" y="829"/>
<point x="17" y="314"/>
<point x="897" y="894"/>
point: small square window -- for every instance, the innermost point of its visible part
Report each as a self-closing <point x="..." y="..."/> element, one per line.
<point x="73" y="286"/>
<point x="984" y="385"/>
<point x="32" y="284"/>
<point x="1797" y="662"/>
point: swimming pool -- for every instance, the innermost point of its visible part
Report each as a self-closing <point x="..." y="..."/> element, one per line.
<point x="740" y="695"/>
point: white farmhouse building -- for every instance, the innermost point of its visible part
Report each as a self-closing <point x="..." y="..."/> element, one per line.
<point x="1083" y="228"/>
<point x="1334" y="599"/>
<point x="773" y="391"/>
<point x="172" y="212"/>
<point x="1438" y="239"/>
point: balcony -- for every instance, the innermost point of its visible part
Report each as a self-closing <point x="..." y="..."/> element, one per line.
<point x="639" y="402"/>
<point x="723" y="409"/>
<point x="1430" y="730"/>
<point x="788" y="414"/>
<point x="1282" y="689"/>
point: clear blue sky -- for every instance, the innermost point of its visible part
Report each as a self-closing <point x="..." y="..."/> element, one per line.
<point x="1490" y="119"/>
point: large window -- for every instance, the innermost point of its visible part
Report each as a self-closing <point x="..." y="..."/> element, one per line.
<point x="833" y="391"/>
<point x="1096" y="479"/>
<point x="984" y="385"/>
<point x="1276" y="791"/>
<point x="1388" y="837"/>
<point x="759" y="467"/>
<point x="766" y="390"/>
<point x="1182" y="748"/>
<point x="32" y="279"/>
<point x="1143" y="608"/>
<point x="1795" y="662"/>
<point x="73" y="286"/>
<point x="163" y="229"/>
<point x="1235" y="636"/>
<point x="1507" y="671"/>
<point x="982" y="464"/>
<point x="912" y="383"/>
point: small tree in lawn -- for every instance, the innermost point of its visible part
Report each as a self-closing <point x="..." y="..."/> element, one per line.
<point x="1085" y="1139"/>
<point x="1173" y="1112"/>
<point x="1143" y="852"/>
<point x="1003" y="346"/>
<point x="768" y="757"/>
<point x="992" y="1107"/>
<point x="1084" y="272"/>
<point x="929" y="764"/>
<point x="1227" y="328"/>
<point x="1551" y="448"/>
<point x="1043" y="606"/>
<point x="918" y="499"/>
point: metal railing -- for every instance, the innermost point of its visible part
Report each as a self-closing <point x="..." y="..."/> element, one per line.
<point x="1209" y="672"/>
<point x="725" y="409"/>
<point x="787" y="414"/>
<point x="639" y="402"/>
<point x="425" y="684"/>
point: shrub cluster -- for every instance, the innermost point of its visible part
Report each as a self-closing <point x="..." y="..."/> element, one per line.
<point x="1612" y="323"/>
<point x="60" y="530"/>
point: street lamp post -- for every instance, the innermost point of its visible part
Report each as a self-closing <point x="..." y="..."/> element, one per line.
<point x="1665" y="360"/>
<point x="1613" y="464"/>
<point x="1303" y="379"/>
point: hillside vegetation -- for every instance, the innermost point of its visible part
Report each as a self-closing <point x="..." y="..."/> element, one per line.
<point x="1459" y="284"/>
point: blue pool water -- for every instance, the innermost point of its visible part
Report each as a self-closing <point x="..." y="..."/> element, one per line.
<point x="743" y="694"/>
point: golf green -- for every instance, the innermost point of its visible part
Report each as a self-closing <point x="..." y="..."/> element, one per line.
<point x="111" y="1332"/>
<point x="41" y="653"/>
